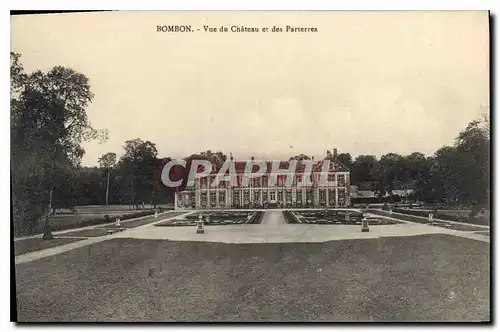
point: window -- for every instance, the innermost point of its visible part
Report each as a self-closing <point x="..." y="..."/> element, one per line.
<point x="212" y="180"/>
<point x="341" y="181"/>
<point x="264" y="196"/>
<point x="246" y="196"/>
<point x="236" y="197"/>
<point x="281" y="180"/>
<point x="331" y="177"/>
<point x="309" y="196"/>
<point x="298" y="196"/>
<point x="256" y="196"/>
<point x="256" y="182"/>
<point x="265" y="181"/>
<point x="331" y="197"/>
<point x="289" y="196"/>
<point x="280" y="196"/>
<point x="322" y="196"/>
<point x="273" y="196"/>
<point x="342" y="197"/>
<point x="212" y="198"/>
<point x="222" y="197"/>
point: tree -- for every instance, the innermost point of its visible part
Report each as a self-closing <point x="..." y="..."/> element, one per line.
<point x="48" y="124"/>
<point x="217" y="159"/>
<point x="345" y="159"/>
<point x="473" y="146"/>
<point x="445" y="175"/>
<point x="300" y="157"/>
<point x="138" y="169"/>
<point x="107" y="161"/>
<point x="363" y="168"/>
<point x="388" y="173"/>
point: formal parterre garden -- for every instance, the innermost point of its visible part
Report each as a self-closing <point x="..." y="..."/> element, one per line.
<point x="332" y="217"/>
<point x="211" y="218"/>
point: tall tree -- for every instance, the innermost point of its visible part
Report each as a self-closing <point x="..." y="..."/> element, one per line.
<point x="388" y="172"/>
<point x="473" y="146"/>
<point x="48" y="124"/>
<point x="138" y="169"/>
<point x="217" y="159"/>
<point x="345" y="159"/>
<point x="363" y="168"/>
<point x="107" y="161"/>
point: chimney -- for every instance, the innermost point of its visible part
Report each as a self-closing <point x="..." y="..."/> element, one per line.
<point x="334" y="153"/>
<point x="231" y="156"/>
<point x="252" y="158"/>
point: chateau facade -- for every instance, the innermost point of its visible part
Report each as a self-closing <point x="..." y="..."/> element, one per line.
<point x="261" y="193"/>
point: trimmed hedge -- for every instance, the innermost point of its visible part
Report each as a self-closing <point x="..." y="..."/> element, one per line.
<point x="376" y="200"/>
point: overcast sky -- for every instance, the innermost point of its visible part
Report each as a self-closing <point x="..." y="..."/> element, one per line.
<point x="365" y="83"/>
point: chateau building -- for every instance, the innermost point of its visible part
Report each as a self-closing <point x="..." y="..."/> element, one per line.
<point x="261" y="193"/>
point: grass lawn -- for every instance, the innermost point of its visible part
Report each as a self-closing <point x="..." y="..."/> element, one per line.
<point x="148" y="220"/>
<point x="421" y="220"/>
<point x="29" y="245"/>
<point x="419" y="278"/>
<point x="91" y="232"/>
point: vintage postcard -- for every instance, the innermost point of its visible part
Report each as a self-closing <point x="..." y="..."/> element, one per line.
<point x="260" y="166"/>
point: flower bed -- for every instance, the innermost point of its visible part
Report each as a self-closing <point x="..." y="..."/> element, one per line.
<point x="331" y="217"/>
<point x="217" y="218"/>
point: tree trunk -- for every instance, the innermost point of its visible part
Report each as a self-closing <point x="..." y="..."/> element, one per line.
<point x="133" y="190"/>
<point x="47" y="233"/>
<point x="107" y="188"/>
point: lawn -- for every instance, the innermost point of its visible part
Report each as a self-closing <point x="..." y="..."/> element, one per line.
<point x="419" y="278"/>
<point x="29" y="245"/>
<point x="91" y="232"/>
<point x="144" y="221"/>
<point x="407" y="217"/>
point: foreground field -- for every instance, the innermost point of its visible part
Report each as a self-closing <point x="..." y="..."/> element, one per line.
<point x="419" y="278"/>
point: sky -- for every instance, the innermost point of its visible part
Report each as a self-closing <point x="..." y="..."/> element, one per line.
<point x="364" y="83"/>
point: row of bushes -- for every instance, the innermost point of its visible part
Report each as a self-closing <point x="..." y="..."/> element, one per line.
<point x="376" y="200"/>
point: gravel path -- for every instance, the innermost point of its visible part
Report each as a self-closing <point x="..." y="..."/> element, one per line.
<point x="273" y="217"/>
